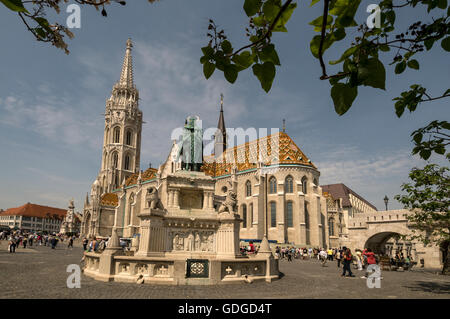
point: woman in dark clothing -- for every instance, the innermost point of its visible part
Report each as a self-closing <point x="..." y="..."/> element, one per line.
<point x="347" y="262"/>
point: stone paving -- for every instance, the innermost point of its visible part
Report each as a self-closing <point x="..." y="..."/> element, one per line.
<point x="40" y="272"/>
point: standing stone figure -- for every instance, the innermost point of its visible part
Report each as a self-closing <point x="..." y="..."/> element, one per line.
<point x="191" y="148"/>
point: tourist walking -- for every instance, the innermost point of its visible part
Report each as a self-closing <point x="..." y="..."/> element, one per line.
<point x="359" y="259"/>
<point x="85" y="243"/>
<point x="371" y="260"/>
<point x="347" y="262"/>
<point x="12" y="245"/>
<point x="323" y="257"/>
<point x="338" y="258"/>
<point x="70" y="245"/>
<point x="330" y="254"/>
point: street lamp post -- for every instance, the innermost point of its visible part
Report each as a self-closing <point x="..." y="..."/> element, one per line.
<point x="386" y="200"/>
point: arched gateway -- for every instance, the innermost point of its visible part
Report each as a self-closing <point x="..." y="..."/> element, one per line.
<point x="381" y="231"/>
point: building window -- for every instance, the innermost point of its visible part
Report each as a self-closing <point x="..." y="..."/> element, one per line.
<point x="244" y="216"/>
<point x="308" y="241"/>
<point x="129" y="138"/>
<point x="273" y="214"/>
<point x="272" y="185"/>
<point x="117" y="135"/>
<point x="248" y="188"/>
<point x="290" y="219"/>
<point x="304" y="185"/>
<point x="127" y="162"/>
<point x="115" y="160"/>
<point x="289" y="185"/>
<point x="316" y="183"/>
<point x="251" y="214"/>
<point x="331" y="226"/>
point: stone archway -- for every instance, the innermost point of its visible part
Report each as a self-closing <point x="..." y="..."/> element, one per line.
<point x="377" y="242"/>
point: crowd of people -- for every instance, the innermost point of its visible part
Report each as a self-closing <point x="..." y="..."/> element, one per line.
<point x="18" y="238"/>
<point x="359" y="260"/>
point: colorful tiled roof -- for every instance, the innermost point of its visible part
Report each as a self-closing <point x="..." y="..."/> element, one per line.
<point x="147" y="175"/>
<point x="110" y="199"/>
<point x="273" y="149"/>
<point x="33" y="210"/>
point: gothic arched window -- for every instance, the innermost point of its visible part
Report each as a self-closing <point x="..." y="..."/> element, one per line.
<point x="290" y="217"/>
<point x="251" y="214"/>
<point x="304" y="185"/>
<point x="315" y="182"/>
<point x="289" y="184"/>
<point x="127" y="162"/>
<point x="248" y="188"/>
<point x="244" y="216"/>
<point x="331" y="226"/>
<point x="272" y="185"/>
<point x="117" y="135"/>
<point x="115" y="160"/>
<point x="273" y="214"/>
<point x="307" y="224"/>
<point x="129" y="138"/>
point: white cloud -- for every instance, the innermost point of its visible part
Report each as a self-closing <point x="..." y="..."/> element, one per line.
<point x="60" y="120"/>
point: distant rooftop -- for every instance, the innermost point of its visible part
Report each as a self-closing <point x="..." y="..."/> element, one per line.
<point x="342" y="191"/>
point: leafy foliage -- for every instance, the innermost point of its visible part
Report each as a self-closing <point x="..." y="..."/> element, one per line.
<point x="266" y="17"/>
<point x="361" y="65"/>
<point x="32" y="14"/>
<point x="428" y="195"/>
<point x="438" y="133"/>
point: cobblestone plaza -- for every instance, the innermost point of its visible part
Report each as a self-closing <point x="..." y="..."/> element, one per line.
<point x="40" y="272"/>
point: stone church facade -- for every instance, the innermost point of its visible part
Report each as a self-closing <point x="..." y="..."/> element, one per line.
<point x="278" y="189"/>
<point x="274" y="165"/>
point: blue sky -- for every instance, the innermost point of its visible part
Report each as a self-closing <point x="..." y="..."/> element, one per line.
<point x="51" y="104"/>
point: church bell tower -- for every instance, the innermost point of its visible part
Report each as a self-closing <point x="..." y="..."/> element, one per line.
<point x="123" y="127"/>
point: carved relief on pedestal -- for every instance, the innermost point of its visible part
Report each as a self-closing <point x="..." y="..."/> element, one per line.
<point x="124" y="268"/>
<point x="161" y="270"/>
<point x="192" y="240"/>
<point x="141" y="269"/>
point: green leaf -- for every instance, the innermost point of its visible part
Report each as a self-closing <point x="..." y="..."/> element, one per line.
<point x="428" y="43"/>
<point x="208" y="52"/>
<point x="317" y="23"/>
<point x="418" y="138"/>
<point x="446" y="44"/>
<point x="413" y="64"/>
<point x="376" y="74"/>
<point x="384" y="48"/>
<point x="14" y="5"/>
<point x="268" y="53"/>
<point x="345" y="55"/>
<point x="390" y="17"/>
<point x="265" y="73"/>
<point x="425" y="154"/>
<point x="442" y="4"/>
<point x="284" y="18"/>
<point x="208" y="69"/>
<point x="271" y="9"/>
<point x="399" y="108"/>
<point x="251" y="7"/>
<point x="400" y="67"/>
<point x="313" y="2"/>
<point x="244" y="60"/>
<point x="343" y="96"/>
<point x="226" y="47"/>
<point x="259" y="21"/>
<point x="231" y="73"/>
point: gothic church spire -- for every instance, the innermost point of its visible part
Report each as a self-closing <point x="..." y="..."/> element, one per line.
<point x="126" y="76"/>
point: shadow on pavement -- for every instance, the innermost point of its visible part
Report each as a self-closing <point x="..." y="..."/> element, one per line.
<point x="432" y="287"/>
